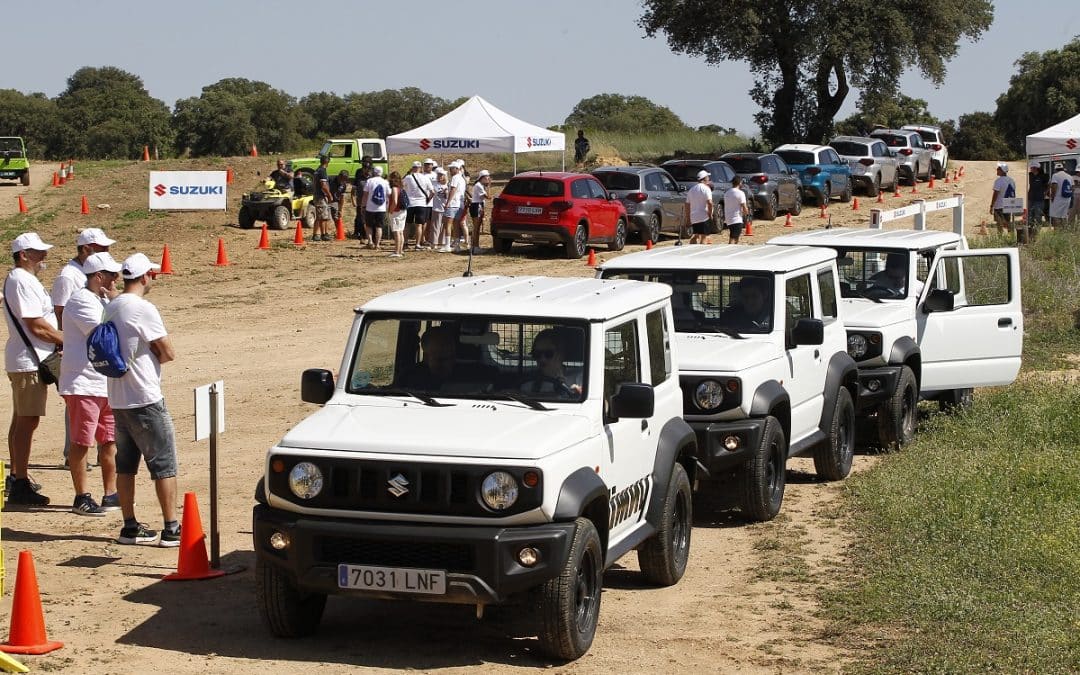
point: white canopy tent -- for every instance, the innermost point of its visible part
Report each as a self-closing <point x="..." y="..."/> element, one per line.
<point x="1061" y="139"/>
<point x="477" y="126"/>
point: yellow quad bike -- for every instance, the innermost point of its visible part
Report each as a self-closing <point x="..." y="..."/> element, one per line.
<point x="276" y="207"/>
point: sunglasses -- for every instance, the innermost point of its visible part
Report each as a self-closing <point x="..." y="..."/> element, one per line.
<point x="543" y="353"/>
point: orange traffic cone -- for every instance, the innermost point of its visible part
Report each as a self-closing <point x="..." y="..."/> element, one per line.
<point x="63" y="174"/>
<point x="880" y="197"/>
<point x="961" y="170"/>
<point x="591" y="262"/>
<point x="222" y="257"/>
<point x="946" y="177"/>
<point x="254" y="151"/>
<point x="855" y="204"/>
<point x="648" y="244"/>
<point x="931" y="185"/>
<point x="340" y="234"/>
<point x="822" y="212"/>
<point x="27" y="634"/>
<point x="228" y="175"/>
<point x="298" y="238"/>
<point x="22" y="205"/>
<point x="85" y="208"/>
<point x="166" y="262"/>
<point x="71" y="169"/>
<point x="749" y="228"/>
<point x="146" y="153"/>
<point x="192" y="563"/>
<point x="896" y="188"/>
<point x="55" y="179"/>
<point x="914" y="186"/>
<point x="787" y="221"/>
<point x="982" y="228"/>
<point x="264" y="239"/>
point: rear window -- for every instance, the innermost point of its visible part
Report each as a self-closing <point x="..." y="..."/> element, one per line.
<point x="617" y="180"/>
<point x="534" y="187"/>
<point x="744" y="164"/>
<point x="684" y="173"/>
<point x="849" y="148"/>
<point x="928" y="136"/>
<point x="797" y="157"/>
<point x="893" y="141"/>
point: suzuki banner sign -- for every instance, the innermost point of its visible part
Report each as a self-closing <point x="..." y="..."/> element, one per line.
<point x="187" y="190"/>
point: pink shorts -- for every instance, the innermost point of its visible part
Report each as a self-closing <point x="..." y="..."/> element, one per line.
<point x="90" y="419"/>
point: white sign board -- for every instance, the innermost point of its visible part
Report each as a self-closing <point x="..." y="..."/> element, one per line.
<point x="202" y="409"/>
<point x="1012" y="204"/>
<point x="187" y="190"/>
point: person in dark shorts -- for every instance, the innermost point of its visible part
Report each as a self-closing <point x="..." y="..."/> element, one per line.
<point x="419" y="191"/>
<point x="359" y="230"/>
<point x="699" y="208"/>
<point x="321" y="199"/>
<point x="736" y="212"/>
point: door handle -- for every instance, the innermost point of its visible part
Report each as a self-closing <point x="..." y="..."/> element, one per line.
<point x="644" y="424"/>
<point x="817" y="353"/>
<point x="1004" y="322"/>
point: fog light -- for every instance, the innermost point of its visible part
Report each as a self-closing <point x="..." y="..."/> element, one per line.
<point x="279" y="541"/>
<point x="528" y="556"/>
<point x="873" y="385"/>
<point x="731" y="442"/>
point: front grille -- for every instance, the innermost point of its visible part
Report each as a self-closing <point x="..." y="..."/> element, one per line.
<point x="422" y="555"/>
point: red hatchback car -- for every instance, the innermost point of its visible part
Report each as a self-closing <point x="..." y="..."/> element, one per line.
<point x="552" y="208"/>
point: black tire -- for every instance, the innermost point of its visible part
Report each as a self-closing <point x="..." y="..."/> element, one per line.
<point x="663" y="556"/>
<point x="287" y="612"/>
<point x="309" y="216"/>
<point x="823" y="198"/>
<point x="832" y="459"/>
<point x="874" y="187"/>
<point x="896" y="417"/>
<point x="845" y="196"/>
<point x="569" y="605"/>
<point x="768" y="211"/>
<point x="765" y="474"/>
<point x="245" y="218"/>
<point x="579" y="245"/>
<point x="652" y="229"/>
<point x="280" y="218"/>
<point x="619" y="241"/>
<point x="956" y="400"/>
<point x="503" y="244"/>
<point x="25" y="178"/>
<point x="797" y="208"/>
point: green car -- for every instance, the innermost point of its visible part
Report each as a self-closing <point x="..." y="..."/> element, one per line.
<point x="13" y="162"/>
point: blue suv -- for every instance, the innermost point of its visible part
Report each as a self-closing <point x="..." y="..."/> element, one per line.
<point x="822" y="173"/>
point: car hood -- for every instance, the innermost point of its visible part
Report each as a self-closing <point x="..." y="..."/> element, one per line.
<point x="467" y="428"/>
<point x="860" y="313"/>
<point x="718" y="352"/>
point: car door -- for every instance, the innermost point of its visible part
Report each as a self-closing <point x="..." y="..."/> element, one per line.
<point x="607" y="209"/>
<point x="672" y="198"/>
<point x="979" y="341"/>
<point x="886" y="162"/>
<point x="788" y="181"/>
<point x="839" y="173"/>
<point x="806" y="373"/>
<point x="581" y="193"/>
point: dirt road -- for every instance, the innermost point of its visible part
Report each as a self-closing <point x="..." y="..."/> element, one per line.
<point x="10" y="190"/>
<point x="747" y="603"/>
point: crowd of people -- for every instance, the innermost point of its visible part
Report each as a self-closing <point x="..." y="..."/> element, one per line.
<point x="123" y="418"/>
<point x="1050" y="200"/>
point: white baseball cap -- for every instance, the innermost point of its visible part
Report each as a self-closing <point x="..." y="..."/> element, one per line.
<point x="93" y="235"/>
<point x="483" y="172"/>
<point x="377" y="171"/>
<point x="429" y="161"/>
<point x="29" y="240"/>
<point x="1003" y="167"/>
<point x="702" y="175"/>
<point x="136" y="265"/>
<point x="416" y="165"/>
<point x="99" y="262"/>
<point x="440" y="170"/>
<point x="454" y="165"/>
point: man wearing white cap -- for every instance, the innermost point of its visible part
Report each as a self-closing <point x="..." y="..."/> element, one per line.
<point x="429" y="240"/>
<point x="455" y="211"/>
<point x="32" y="336"/>
<point x="1061" y="195"/>
<point x="374" y="203"/>
<point x="699" y="208"/>
<point x="440" y="228"/>
<point x="70" y="279"/>
<point x="85" y="390"/>
<point x="476" y="207"/>
<point x="419" y="190"/>
<point x="144" y="428"/>
<point x="1004" y="188"/>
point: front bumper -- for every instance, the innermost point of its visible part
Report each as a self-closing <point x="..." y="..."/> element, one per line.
<point x="710" y="437"/>
<point x="531" y="234"/>
<point x="876" y="385"/>
<point x="480" y="562"/>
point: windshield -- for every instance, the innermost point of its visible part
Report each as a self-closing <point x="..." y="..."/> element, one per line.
<point x="10" y="145"/>
<point x="617" y="180"/>
<point x="470" y="357"/>
<point x="797" y="157"/>
<point x="534" y="187"/>
<point x="712" y="301"/>
<point x="874" y="274"/>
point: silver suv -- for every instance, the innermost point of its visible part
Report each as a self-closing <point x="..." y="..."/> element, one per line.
<point x="935" y="140"/>
<point x="908" y="148"/>
<point x="872" y="165"/>
<point x="653" y="199"/>
<point x="770" y="182"/>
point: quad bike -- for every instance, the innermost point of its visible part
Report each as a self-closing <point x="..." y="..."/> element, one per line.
<point x="275" y="206"/>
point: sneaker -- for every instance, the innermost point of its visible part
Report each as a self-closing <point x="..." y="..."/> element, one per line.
<point x="22" y="493"/>
<point x="85" y="505"/>
<point x="169" y="539"/>
<point x="396" y="255"/>
<point x="110" y="502"/>
<point x="10" y="479"/>
<point x="444" y="249"/>
<point x="139" y="534"/>
<point x="326" y="237"/>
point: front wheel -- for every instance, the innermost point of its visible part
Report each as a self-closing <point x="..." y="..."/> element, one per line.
<point x="280" y="218"/>
<point x="619" y="241"/>
<point x="569" y="604"/>
<point x="245" y="218"/>
<point x="286" y="611"/>
<point x="309" y="216"/>
<point x="874" y="187"/>
<point x="577" y="247"/>
<point x="845" y="196"/>
<point x="896" y="417"/>
<point x="663" y="556"/>
<point x="764" y="475"/>
<point x="832" y="459"/>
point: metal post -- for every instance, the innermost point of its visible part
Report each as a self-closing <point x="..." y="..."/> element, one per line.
<point x="920" y="217"/>
<point x="215" y="542"/>
<point x="958" y="215"/>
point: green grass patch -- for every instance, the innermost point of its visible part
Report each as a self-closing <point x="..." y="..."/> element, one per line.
<point x="336" y="282"/>
<point x="652" y="147"/>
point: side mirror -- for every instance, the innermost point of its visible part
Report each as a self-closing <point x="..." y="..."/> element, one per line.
<point x="939" y="300"/>
<point x="316" y="385"/>
<point x="808" y="332"/>
<point x="633" y="401"/>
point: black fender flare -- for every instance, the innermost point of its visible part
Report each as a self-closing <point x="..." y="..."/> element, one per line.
<point x="578" y="490"/>
<point x="841" y="367"/>
<point x="766" y="396"/>
<point x="674" y="438"/>
<point x="904" y="349"/>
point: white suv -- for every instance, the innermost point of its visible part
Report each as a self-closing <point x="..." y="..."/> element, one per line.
<point x="765" y="369"/>
<point x="925" y="317"/>
<point x="489" y="439"/>
<point x="935" y="141"/>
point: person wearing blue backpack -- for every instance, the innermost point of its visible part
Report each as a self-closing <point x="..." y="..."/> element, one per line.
<point x="1061" y="195"/>
<point x="374" y="202"/>
<point x="144" y="428"/>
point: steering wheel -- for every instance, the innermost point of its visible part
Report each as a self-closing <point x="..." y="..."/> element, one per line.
<point x="559" y="385"/>
<point x="882" y="292"/>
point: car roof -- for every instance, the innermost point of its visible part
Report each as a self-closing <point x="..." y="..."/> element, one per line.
<point x="912" y="240"/>
<point x="553" y="175"/>
<point x="802" y="147"/>
<point x="531" y="296"/>
<point x="724" y="257"/>
<point x="921" y="127"/>
<point x="895" y="132"/>
<point x="692" y="162"/>
<point x="748" y="155"/>
<point x="625" y="169"/>
<point x="855" y="139"/>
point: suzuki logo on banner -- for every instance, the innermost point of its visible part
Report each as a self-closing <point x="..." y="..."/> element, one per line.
<point x="449" y="144"/>
<point x="538" y="142"/>
<point x="1071" y="144"/>
<point x="159" y="190"/>
<point x="424" y="144"/>
<point x="187" y="190"/>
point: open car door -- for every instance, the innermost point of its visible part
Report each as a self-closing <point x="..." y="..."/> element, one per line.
<point x="970" y="321"/>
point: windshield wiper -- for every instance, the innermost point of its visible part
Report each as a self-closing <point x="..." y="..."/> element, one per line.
<point x="862" y="294"/>
<point x="423" y="398"/>
<point x="525" y="400"/>
<point x="702" y="327"/>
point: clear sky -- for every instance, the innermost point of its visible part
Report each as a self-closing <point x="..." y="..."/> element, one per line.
<point x="535" y="60"/>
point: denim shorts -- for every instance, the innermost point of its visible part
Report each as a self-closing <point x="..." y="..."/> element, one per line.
<point x="146" y="432"/>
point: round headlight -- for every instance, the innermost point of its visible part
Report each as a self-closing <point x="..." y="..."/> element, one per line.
<point x="856" y="346"/>
<point x="305" y="480"/>
<point x="499" y="490"/>
<point x="709" y="395"/>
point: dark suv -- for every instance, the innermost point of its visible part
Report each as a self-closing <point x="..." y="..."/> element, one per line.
<point x="770" y="183"/>
<point x="685" y="172"/>
<point x="653" y="200"/>
<point x="552" y="208"/>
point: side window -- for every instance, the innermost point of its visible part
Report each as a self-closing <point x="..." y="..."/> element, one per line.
<point x="373" y="150"/>
<point x="653" y="183"/>
<point x="826" y="281"/>
<point x="579" y="189"/>
<point x="797" y="301"/>
<point x="922" y="264"/>
<point x="833" y="157"/>
<point x="985" y="280"/>
<point x="596" y="190"/>
<point x="622" y="362"/>
<point x="659" y="346"/>
<point x="667" y="184"/>
<point x="341" y="150"/>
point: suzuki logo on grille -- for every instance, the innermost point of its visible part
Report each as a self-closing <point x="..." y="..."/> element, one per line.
<point x="159" y="189"/>
<point x="399" y="486"/>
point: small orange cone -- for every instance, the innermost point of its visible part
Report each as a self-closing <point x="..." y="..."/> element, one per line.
<point x="228" y="175"/>
<point x="855" y="204"/>
<point x="22" y="205"/>
<point x="85" y="208"/>
<point x="982" y="228"/>
<point x="146" y="153"/>
<point x="222" y="257"/>
<point x="340" y="234"/>
<point x="166" y="262"/>
<point x="254" y="151"/>
<point x="63" y="174"/>
<point x="787" y="221"/>
<point x="648" y="244"/>
<point x="896" y="188"/>
<point x="749" y="228"/>
<point x="264" y="239"/>
<point x="592" y="259"/>
<point x="880" y="197"/>
<point x="27" y="634"/>
<point x="192" y="562"/>
<point x="955" y="176"/>
<point x="961" y="170"/>
<point x="298" y="238"/>
<point x="822" y="216"/>
<point x="914" y="186"/>
<point x="946" y="177"/>
<point x="931" y="185"/>
<point x="55" y="179"/>
<point x="71" y="169"/>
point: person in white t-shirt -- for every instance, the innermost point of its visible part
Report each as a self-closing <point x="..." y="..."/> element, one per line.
<point x="440" y="227"/>
<point x="735" y="210"/>
<point x="144" y="427"/>
<point x="699" y="208"/>
<point x="418" y="189"/>
<point x="27" y="302"/>
<point x="374" y="202"/>
<point x="455" y="199"/>
<point x="429" y="240"/>
<point x="1060" y="195"/>
<point x="86" y="391"/>
<point x="1003" y="187"/>
<point x="476" y="207"/>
